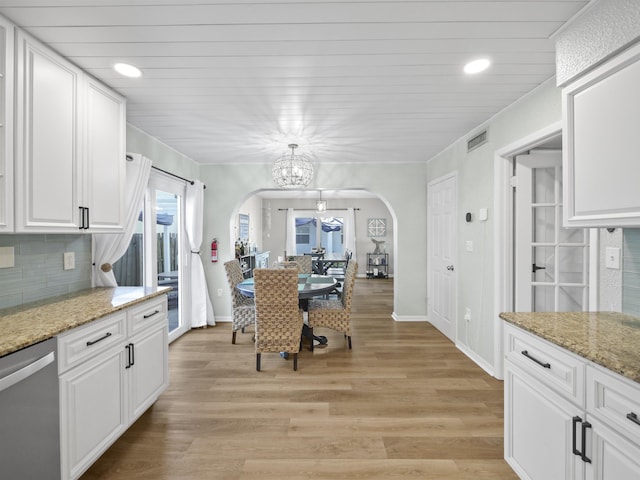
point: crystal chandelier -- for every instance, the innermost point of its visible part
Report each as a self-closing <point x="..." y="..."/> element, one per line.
<point x="292" y="170"/>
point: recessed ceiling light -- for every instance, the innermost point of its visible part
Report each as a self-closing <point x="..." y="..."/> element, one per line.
<point x="477" y="66"/>
<point x="127" y="70"/>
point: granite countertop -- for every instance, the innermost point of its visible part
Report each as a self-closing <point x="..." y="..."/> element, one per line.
<point x="609" y="339"/>
<point x="31" y="323"/>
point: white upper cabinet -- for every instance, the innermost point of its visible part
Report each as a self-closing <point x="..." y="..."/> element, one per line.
<point x="6" y="125"/>
<point x="601" y="161"/>
<point x="105" y="152"/>
<point x="70" y="148"/>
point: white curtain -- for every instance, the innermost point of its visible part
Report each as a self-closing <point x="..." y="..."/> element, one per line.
<point x="109" y="247"/>
<point x="350" y="231"/>
<point x="290" y="245"/>
<point x="201" y="308"/>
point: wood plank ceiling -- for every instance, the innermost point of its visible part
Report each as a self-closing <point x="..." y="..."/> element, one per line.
<point x="235" y="81"/>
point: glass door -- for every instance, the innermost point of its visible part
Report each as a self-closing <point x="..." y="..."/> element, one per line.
<point x="165" y="244"/>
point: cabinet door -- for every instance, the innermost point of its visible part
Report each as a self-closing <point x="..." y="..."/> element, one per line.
<point x="539" y="430"/>
<point x="601" y="125"/>
<point x="148" y="368"/>
<point x="612" y="456"/>
<point x="104" y="162"/>
<point x="6" y="125"/>
<point x="47" y="147"/>
<point x="92" y="410"/>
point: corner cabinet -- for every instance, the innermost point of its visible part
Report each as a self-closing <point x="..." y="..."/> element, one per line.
<point x="111" y="371"/>
<point x="601" y="163"/>
<point x="565" y="417"/>
<point x="70" y="146"/>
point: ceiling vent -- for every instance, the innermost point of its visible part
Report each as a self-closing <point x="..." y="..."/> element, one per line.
<point x="477" y="141"/>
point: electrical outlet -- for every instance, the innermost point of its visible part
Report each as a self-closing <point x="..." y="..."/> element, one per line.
<point x="69" y="260"/>
<point x="219" y="292"/>
<point x="469" y="245"/>
<point x="467" y="315"/>
<point x="7" y="257"/>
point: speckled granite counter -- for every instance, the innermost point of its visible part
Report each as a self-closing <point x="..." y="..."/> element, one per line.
<point x="34" y="322"/>
<point x="609" y="339"/>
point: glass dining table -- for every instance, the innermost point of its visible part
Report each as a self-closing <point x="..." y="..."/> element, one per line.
<point x="309" y="285"/>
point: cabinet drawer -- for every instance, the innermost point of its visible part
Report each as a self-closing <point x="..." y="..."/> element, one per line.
<point x="550" y="364"/>
<point x="85" y="342"/>
<point x="614" y="399"/>
<point x="148" y="313"/>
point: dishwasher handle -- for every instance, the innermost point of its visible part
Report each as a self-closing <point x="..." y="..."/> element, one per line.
<point x="25" y="372"/>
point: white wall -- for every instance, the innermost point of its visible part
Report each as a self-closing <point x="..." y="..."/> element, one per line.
<point x="475" y="270"/>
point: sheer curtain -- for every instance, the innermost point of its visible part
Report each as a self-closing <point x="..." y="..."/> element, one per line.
<point x="201" y="308"/>
<point x="350" y="231"/>
<point x="109" y="247"/>
<point x="290" y="245"/>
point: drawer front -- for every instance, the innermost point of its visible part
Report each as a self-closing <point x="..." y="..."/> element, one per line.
<point x="149" y="313"/>
<point x="552" y="365"/>
<point x="615" y="400"/>
<point x="85" y="342"/>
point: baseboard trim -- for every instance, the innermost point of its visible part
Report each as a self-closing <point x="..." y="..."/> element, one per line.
<point x="481" y="362"/>
<point x="408" y="318"/>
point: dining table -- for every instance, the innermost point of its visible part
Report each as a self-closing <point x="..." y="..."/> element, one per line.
<point x="309" y="285"/>
<point x="321" y="265"/>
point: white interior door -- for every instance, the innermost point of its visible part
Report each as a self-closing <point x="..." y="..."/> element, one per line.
<point x="551" y="262"/>
<point x="441" y="238"/>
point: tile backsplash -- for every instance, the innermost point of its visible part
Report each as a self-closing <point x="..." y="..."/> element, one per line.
<point x="631" y="272"/>
<point x="38" y="272"/>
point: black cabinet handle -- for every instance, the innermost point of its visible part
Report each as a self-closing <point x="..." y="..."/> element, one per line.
<point x="81" y="222"/>
<point x="584" y="457"/>
<point x="131" y="359"/>
<point x="634" y="418"/>
<point x="93" y="342"/>
<point x="542" y="364"/>
<point x="86" y="225"/>
<point x="574" y="440"/>
<point x="151" y="314"/>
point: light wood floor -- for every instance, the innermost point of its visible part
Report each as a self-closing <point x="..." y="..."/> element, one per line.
<point x="403" y="404"/>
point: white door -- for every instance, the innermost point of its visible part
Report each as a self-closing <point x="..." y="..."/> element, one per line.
<point x="441" y="244"/>
<point x="551" y="262"/>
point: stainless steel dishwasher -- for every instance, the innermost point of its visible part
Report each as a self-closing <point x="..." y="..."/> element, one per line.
<point x="29" y="413"/>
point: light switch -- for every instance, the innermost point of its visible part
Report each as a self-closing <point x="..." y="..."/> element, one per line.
<point x="483" y="214"/>
<point x="7" y="259"/>
<point x="612" y="258"/>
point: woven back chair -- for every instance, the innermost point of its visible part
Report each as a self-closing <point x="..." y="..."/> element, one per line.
<point x="286" y="264"/>
<point x="335" y="313"/>
<point x="243" y="307"/>
<point x="278" y="317"/>
<point x="304" y="263"/>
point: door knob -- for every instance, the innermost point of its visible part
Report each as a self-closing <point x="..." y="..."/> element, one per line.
<point x="450" y="268"/>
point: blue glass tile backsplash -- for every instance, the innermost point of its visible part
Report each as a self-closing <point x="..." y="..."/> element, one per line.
<point x="38" y="272"/>
<point x="631" y="272"/>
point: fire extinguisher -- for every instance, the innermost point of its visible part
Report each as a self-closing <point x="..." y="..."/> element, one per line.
<point x="214" y="250"/>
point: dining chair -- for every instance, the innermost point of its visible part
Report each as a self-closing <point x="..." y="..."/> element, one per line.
<point x="286" y="264"/>
<point x="335" y="313"/>
<point x="304" y="262"/>
<point x="243" y="307"/>
<point x="278" y="317"/>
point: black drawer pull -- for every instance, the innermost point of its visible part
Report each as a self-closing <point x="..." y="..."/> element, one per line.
<point x="93" y="342"/>
<point x="542" y="364"/>
<point x="634" y="418"/>
<point x="584" y="457"/>
<point x="151" y="314"/>
<point x="128" y="349"/>
<point x="574" y="441"/>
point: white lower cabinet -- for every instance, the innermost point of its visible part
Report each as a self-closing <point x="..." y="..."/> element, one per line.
<point x="108" y="378"/>
<point x="566" y="418"/>
<point x="539" y="431"/>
